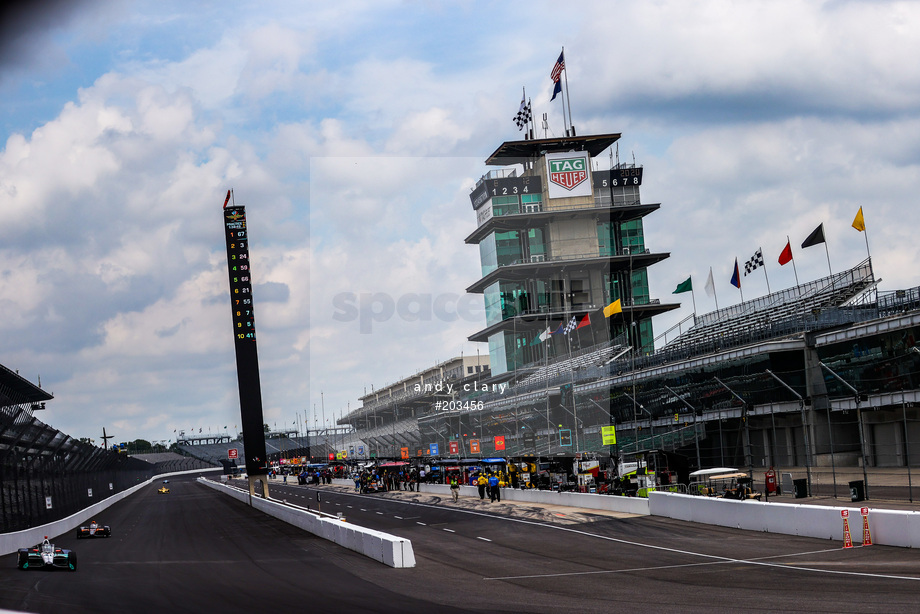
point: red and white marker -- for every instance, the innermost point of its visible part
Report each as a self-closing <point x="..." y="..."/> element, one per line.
<point x="847" y="538"/>
<point x="867" y="537"/>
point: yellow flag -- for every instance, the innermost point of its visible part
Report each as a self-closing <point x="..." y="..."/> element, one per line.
<point x="612" y="308"/>
<point x="859" y="223"/>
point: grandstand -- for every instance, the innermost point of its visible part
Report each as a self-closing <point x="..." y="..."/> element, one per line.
<point x="46" y="475"/>
<point x="816" y="304"/>
<point x="316" y="445"/>
<point x="168" y="462"/>
<point x="766" y="382"/>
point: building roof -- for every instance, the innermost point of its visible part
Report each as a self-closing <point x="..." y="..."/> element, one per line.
<point x="15" y="389"/>
<point x="518" y="152"/>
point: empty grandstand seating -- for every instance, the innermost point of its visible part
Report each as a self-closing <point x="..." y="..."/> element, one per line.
<point x="788" y="310"/>
<point x="593" y="357"/>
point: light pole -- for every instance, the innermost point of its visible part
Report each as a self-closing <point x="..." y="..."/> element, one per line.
<point x="696" y="434"/>
<point x="805" y="433"/>
<point x="744" y="419"/>
<point x="862" y="439"/>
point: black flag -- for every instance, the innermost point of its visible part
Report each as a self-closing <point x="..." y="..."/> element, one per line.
<point x="817" y="236"/>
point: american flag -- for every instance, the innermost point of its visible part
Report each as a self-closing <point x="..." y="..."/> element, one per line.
<point x="558" y="68"/>
<point x="556" y="74"/>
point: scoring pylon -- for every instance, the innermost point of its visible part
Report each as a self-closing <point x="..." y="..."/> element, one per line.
<point x="867" y="537"/>
<point x="847" y="538"/>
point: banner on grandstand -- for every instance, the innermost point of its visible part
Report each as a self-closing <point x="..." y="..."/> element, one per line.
<point x="474" y="446"/>
<point x="499" y="442"/>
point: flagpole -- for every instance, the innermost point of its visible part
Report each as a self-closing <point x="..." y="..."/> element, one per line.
<point x="830" y="271"/>
<point x="760" y="249"/>
<point x="524" y="101"/>
<point x="794" y="269"/>
<point x="693" y="297"/>
<point x="533" y="124"/>
<point x="567" y="93"/>
<point x="564" y="122"/>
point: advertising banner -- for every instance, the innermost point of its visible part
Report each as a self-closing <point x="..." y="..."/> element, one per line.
<point x="568" y="174"/>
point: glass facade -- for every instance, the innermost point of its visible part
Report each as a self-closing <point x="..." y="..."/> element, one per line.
<point x="506" y="299"/>
<point x="631" y="237"/>
<point x="511" y="247"/>
<point x="514" y="350"/>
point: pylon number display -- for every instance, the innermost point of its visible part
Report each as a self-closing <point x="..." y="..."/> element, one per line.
<point x="847" y="538"/>
<point x="867" y="537"/>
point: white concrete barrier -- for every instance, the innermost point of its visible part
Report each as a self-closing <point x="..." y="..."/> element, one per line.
<point x="887" y="527"/>
<point x="11" y="542"/>
<point x="610" y="503"/>
<point x="388" y="549"/>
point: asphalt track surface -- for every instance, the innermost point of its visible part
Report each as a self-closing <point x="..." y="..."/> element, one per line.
<point x="197" y="550"/>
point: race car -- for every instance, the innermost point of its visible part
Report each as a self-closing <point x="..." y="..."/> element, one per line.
<point x="94" y="530"/>
<point x="46" y="556"/>
<point x="163" y="490"/>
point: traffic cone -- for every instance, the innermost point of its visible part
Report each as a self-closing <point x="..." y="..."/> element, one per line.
<point x="847" y="538"/>
<point x="867" y="537"/>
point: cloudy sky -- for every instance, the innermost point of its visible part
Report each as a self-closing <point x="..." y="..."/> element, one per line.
<point x="353" y="132"/>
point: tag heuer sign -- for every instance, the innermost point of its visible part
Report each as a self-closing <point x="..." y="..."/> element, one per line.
<point x="568" y="172"/>
<point x="568" y="175"/>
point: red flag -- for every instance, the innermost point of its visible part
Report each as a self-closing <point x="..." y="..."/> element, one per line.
<point x="227" y="200"/>
<point x="786" y="256"/>
<point x="584" y="321"/>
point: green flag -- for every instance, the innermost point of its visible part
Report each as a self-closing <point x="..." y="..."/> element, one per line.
<point x="685" y="286"/>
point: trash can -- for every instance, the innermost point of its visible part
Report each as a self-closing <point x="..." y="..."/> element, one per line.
<point x="800" y="488"/>
<point x="857" y="490"/>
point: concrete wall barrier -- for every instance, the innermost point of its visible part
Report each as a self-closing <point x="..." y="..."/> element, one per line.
<point x="388" y="549"/>
<point x="610" y="503"/>
<point x="887" y="527"/>
<point x="11" y="542"/>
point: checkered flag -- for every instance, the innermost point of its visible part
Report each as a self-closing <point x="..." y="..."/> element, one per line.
<point x="523" y="116"/>
<point x="570" y="326"/>
<point x="755" y="261"/>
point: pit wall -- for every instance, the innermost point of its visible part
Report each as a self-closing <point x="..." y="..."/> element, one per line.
<point x="383" y="547"/>
<point x="626" y="505"/>
<point x="887" y="527"/>
<point x="11" y="542"/>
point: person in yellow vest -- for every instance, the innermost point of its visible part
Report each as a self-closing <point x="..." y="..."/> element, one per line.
<point x="454" y="486"/>
<point x="481" y="482"/>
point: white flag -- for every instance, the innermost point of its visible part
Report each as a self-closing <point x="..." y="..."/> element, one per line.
<point x="545" y="334"/>
<point x="710" y="285"/>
